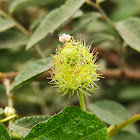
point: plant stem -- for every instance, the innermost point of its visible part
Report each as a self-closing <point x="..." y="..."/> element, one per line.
<point x="22" y="29"/>
<point x="8" y="93"/>
<point x="123" y="50"/>
<point x="110" y="128"/>
<point x="15" y="136"/>
<point x="119" y="40"/>
<point x="113" y="130"/>
<point x="104" y="16"/>
<point x="40" y="94"/>
<point x="81" y="100"/>
<point x="39" y="51"/>
<point x="10" y="100"/>
<point x="9" y="118"/>
<point x="18" y="25"/>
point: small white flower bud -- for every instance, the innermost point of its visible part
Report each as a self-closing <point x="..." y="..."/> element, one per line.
<point x="64" y="38"/>
<point x="9" y="111"/>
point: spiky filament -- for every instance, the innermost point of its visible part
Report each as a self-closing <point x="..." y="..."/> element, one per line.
<point x="74" y="68"/>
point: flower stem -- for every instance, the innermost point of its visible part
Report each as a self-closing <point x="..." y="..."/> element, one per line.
<point x="113" y="130"/>
<point x="104" y="16"/>
<point x="107" y="19"/>
<point x="9" y="118"/>
<point x="39" y="51"/>
<point x="18" y="25"/>
<point x="81" y="100"/>
<point x="10" y="103"/>
<point x="119" y="40"/>
<point x="16" y="136"/>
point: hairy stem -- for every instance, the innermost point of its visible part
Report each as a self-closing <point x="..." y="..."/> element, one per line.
<point x="123" y="50"/>
<point x="104" y="16"/>
<point x="40" y="94"/>
<point x="39" y="51"/>
<point x="10" y="100"/>
<point x="15" y="136"/>
<point x="81" y="100"/>
<point x="119" y="40"/>
<point x="22" y="29"/>
<point x="17" y="24"/>
<point x="8" y="93"/>
<point x="9" y="118"/>
<point x="113" y="130"/>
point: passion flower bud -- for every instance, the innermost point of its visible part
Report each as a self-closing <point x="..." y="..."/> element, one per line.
<point x="64" y="38"/>
<point x="9" y="111"/>
<point x="74" y="68"/>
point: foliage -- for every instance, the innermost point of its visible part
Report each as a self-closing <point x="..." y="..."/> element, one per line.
<point x="30" y="31"/>
<point x="3" y="133"/>
<point x="23" y="126"/>
<point x="31" y="71"/>
<point x="72" y="123"/>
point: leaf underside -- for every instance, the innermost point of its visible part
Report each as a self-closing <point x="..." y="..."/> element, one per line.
<point x="24" y="125"/>
<point x="32" y="71"/>
<point x="129" y="29"/>
<point x="54" y="20"/>
<point x="4" y="133"/>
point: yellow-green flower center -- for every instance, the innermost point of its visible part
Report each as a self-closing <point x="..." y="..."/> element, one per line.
<point x="74" y="68"/>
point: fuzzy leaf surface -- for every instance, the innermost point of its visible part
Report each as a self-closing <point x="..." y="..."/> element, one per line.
<point x="84" y="20"/>
<point x="124" y="9"/>
<point x="127" y="136"/>
<point x="24" y="125"/>
<point x="109" y="111"/>
<point x="98" y="38"/>
<point x="129" y="29"/>
<point x="32" y="71"/>
<point x="5" y="24"/>
<point x="1" y="111"/>
<point x="70" y="124"/>
<point x="4" y="133"/>
<point x="12" y="39"/>
<point x="54" y="20"/>
<point x="18" y="5"/>
<point x="126" y="94"/>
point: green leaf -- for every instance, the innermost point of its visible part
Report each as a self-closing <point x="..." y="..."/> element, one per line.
<point x="32" y="71"/>
<point x="5" y="24"/>
<point x="134" y="107"/>
<point x="26" y="99"/>
<point x="78" y="13"/>
<point x="96" y="26"/>
<point x="23" y="126"/>
<point x="127" y="136"/>
<point x="1" y="111"/>
<point x="18" y="5"/>
<point x="54" y="20"/>
<point x="100" y="1"/>
<point x="125" y="9"/>
<point x="84" y="20"/>
<point x="130" y="93"/>
<point x="129" y="29"/>
<point x="38" y="21"/>
<point x="71" y="124"/>
<point x="98" y="38"/>
<point x="109" y="111"/>
<point x="12" y="39"/>
<point x="3" y="133"/>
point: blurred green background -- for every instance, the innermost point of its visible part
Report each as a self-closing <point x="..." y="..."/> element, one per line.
<point x="39" y="97"/>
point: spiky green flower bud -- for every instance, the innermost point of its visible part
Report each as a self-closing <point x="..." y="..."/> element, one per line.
<point x="74" y="68"/>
